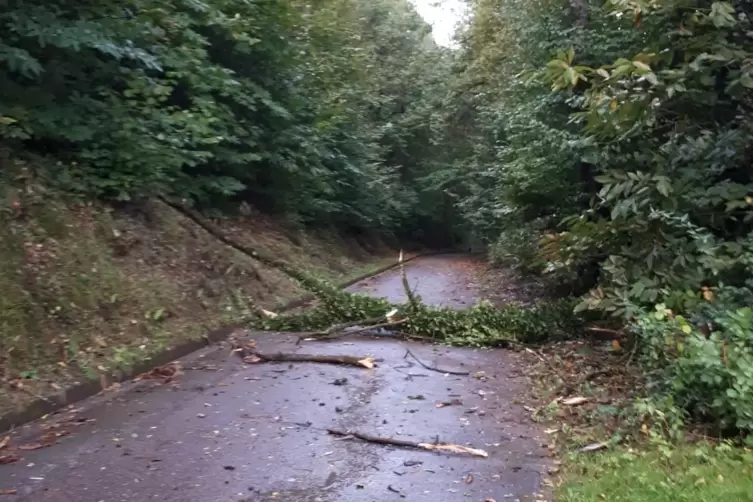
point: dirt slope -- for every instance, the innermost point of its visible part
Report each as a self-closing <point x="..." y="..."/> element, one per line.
<point x="87" y="288"/>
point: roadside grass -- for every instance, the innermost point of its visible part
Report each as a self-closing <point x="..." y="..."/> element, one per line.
<point x="681" y="473"/>
<point x="636" y="463"/>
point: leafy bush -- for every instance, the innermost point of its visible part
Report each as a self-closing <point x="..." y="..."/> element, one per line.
<point x="516" y="247"/>
<point x="708" y="372"/>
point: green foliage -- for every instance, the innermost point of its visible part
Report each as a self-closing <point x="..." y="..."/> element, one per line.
<point x="707" y="374"/>
<point x="622" y="133"/>
<point x="518" y="248"/>
<point x="321" y="112"/>
<point x="669" y="128"/>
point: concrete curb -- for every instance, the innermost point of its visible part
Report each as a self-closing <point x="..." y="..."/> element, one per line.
<point x="49" y="404"/>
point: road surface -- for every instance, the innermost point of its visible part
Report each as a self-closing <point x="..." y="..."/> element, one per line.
<point x="226" y="431"/>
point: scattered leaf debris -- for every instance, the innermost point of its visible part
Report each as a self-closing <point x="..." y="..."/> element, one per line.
<point x="166" y="373"/>
<point x="395" y="490"/>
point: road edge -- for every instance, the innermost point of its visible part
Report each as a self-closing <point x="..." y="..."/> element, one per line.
<point x="44" y="405"/>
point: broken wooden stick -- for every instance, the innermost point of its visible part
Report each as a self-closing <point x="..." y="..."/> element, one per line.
<point x="362" y="362"/>
<point x="376" y="326"/>
<point x="335" y="335"/>
<point x="345" y="325"/>
<point x="434" y="368"/>
<point x="441" y="447"/>
<point x="390" y="319"/>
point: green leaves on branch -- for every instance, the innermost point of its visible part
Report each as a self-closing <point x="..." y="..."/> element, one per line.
<point x="480" y="326"/>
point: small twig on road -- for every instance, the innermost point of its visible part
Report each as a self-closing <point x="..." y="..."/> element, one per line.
<point x="409" y="375"/>
<point x="411" y="336"/>
<point x="434" y="368"/>
<point x="441" y="447"/>
<point x="395" y="490"/>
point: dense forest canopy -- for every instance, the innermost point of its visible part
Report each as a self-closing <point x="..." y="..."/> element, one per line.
<point x="323" y="111"/>
<point x="603" y="146"/>
<point x="609" y="149"/>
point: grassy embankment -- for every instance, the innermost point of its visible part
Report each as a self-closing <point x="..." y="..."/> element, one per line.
<point x="86" y="288"/>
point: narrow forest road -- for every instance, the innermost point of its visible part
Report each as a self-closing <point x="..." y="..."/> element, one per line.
<point x="225" y="431"/>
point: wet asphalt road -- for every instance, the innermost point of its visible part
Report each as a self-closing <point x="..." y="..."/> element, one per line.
<point x="226" y="431"/>
<point x="442" y="280"/>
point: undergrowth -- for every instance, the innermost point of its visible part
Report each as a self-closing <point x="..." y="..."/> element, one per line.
<point x="619" y="439"/>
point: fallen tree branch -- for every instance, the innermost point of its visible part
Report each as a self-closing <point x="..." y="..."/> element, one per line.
<point x="362" y="362"/>
<point x="264" y="258"/>
<point x="434" y="368"/>
<point x="334" y="335"/>
<point x="345" y="325"/>
<point x="327" y="334"/>
<point x="376" y="326"/>
<point x="441" y="447"/>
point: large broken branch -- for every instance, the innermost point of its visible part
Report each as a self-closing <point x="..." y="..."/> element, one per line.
<point x="361" y="362"/>
<point x="441" y="447"/>
<point x="376" y="326"/>
<point x="246" y="349"/>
